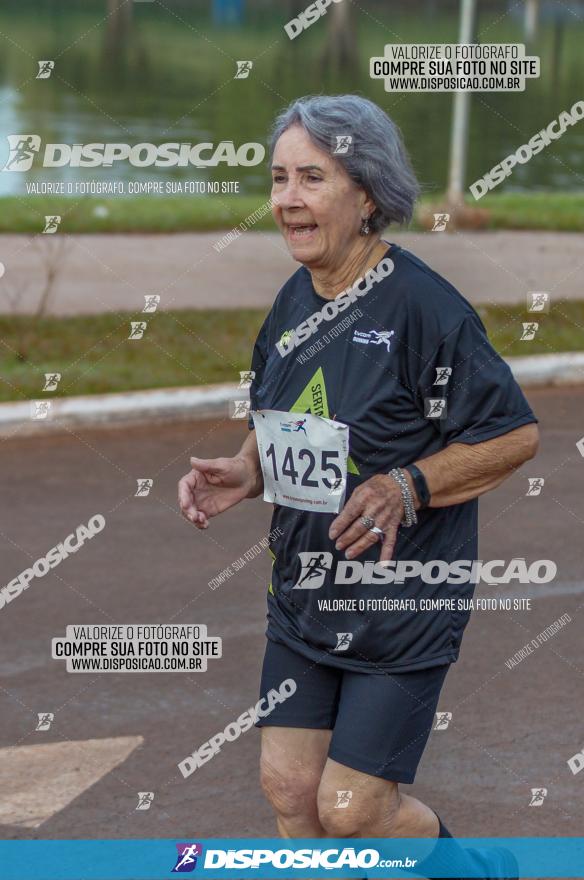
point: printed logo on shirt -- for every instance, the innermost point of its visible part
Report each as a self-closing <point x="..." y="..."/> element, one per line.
<point x="374" y="337"/>
<point x="313" y="399"/>
<point x="314" y="569"/>
<point x="286" y="337"/>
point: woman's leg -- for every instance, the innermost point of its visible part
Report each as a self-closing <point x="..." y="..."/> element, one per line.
<point x="376" y="808"/>
<point x="292" y="762"/>
<point x="295" y="737"/>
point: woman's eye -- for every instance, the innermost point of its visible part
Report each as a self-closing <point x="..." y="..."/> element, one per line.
<point x="313" y="178"/>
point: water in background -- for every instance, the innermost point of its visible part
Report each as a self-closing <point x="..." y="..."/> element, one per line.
<point x="165" y="73"/>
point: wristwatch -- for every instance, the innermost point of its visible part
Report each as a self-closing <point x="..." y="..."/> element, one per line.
<point x="420" y="485"/>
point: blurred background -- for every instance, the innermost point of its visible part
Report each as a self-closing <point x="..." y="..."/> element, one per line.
<point x="162" y="71"/>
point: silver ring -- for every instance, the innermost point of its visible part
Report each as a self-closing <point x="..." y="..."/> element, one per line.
<point x="377" y="531"/>
<point x="368" y="522"/>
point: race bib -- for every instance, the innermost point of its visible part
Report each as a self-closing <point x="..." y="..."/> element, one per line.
<point x="303" y="458"/>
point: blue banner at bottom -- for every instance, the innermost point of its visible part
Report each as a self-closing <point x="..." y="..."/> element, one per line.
<point x="226" y="858"/>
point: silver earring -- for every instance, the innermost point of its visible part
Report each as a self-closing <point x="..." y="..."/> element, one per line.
<point x="365" y="229"/>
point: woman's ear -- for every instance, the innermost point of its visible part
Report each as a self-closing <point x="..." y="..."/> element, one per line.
<point x="369" y="206"/>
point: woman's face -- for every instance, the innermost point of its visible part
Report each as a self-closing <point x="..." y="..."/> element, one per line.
<point x="318" y="209"/>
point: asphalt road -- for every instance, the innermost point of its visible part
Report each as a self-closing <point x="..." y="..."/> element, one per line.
<point x="99" y="273"/>
<point x="114" y="735"/>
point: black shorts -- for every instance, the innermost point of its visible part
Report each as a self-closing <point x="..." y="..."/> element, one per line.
<point x="380" y="722"/>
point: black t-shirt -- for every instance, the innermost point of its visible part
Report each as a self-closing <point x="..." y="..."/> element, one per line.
<point x="378" y="366"/>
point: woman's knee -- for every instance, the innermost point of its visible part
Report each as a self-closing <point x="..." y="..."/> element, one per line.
<point x="291" y="789"/>
<point x="356" y="812"/>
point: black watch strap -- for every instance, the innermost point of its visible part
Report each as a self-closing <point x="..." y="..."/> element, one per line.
<point x="420" y="485"/>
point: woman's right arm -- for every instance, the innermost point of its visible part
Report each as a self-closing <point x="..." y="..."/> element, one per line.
<point x="250" y="453"/>
<point x="216" y="484"/>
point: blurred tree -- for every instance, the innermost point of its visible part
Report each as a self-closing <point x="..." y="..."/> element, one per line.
<point x="118" y="28"/>
<point x="531" y="20"/>
<point x="340" y="51"/>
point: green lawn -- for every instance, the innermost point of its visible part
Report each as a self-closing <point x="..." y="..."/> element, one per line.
<point x="189" y="347"/>
<point x="550" y="211"/>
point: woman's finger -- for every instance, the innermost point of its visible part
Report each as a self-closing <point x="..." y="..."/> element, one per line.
<point x="388" y="545"/>
<point x="186" y="489"/>
<point x="350" y="512"/>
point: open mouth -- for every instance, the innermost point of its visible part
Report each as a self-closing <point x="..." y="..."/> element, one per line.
<point x="301" y="231"/>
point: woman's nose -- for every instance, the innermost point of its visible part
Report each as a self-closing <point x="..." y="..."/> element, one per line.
<point x="289" y="196"/>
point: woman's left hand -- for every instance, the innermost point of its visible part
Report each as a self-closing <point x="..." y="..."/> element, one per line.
<point x="378" y="498"/>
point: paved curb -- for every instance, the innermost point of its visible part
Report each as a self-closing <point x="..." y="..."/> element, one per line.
<point x="200" y="402"/>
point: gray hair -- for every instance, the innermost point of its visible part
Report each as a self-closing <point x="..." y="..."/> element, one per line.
<point x="377" y="162"/>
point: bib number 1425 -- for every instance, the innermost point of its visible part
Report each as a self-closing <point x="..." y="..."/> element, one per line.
<point x="303" y="459"/>
<point x="307" y="467"/>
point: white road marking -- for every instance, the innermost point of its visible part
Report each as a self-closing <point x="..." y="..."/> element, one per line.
<point x="38" y="781"/>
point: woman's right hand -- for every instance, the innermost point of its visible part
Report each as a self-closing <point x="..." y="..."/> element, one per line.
<point x="214" y="485"/>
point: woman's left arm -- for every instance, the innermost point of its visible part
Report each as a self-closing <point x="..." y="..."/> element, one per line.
<point x="455" y="474"/>
<point x="462" y="471"/>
